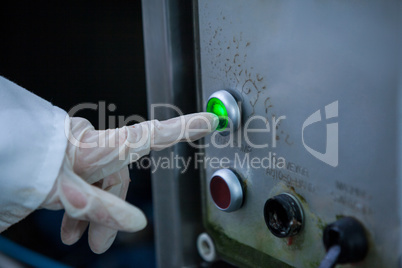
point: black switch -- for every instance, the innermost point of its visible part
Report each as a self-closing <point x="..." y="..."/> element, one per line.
<point x="345" y="242"/>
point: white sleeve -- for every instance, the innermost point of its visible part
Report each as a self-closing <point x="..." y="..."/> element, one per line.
<point x="32" y="148"/>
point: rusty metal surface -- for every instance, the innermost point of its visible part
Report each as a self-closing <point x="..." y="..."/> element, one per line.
<point x="292" y="59"/>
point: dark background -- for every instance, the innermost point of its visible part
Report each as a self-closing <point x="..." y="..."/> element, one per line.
<point x="71" y="52"/>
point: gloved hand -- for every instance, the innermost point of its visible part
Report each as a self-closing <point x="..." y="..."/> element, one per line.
<point x="93" y="180"/>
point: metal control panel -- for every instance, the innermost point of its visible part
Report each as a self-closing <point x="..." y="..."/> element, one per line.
<point x="316" y="83"/>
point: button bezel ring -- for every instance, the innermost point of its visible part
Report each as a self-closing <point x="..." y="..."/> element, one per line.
<point x="235" y="188"/>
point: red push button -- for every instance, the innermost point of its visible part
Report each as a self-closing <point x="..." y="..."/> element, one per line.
<point x="220" y="192"/>
<point x="226" y="191"/>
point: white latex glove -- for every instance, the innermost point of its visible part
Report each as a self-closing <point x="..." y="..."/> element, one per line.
<point x="93" y="181"/>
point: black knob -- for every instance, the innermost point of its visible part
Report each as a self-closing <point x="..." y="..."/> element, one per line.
<point x="283" y="215"/>
<point x="349" y="236"/>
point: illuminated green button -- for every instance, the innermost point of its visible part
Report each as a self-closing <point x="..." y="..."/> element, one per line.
<point x="217" y="107"/>
<point x="225" y="106"/>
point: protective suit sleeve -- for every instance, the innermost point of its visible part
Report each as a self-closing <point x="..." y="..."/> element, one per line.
<point x="32" y="148"/>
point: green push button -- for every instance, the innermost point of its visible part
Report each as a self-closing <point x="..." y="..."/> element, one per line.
<point x="225" y="106"/>
<point x="217" y="107"/>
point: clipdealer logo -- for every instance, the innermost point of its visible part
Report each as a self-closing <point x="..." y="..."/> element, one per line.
<point x="330" y="156"/>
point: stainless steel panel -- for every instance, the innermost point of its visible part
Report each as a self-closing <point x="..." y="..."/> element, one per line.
<point x="292" y="59"/>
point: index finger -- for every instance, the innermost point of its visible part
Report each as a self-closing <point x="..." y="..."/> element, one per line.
<point x="158" y="135"/>
<point x="188" y="128"/>
<point x="138" y="140"/>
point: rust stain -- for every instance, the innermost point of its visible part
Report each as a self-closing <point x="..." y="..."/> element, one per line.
<point x="287" y="140"/>
<point x="236" y="77"/>
<point x="252" y="85"/>
<point x="226" y="71"/>
<point x="267" y="108"/>
<point x="266" y="100"/>
<point x="235" y="56"/>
